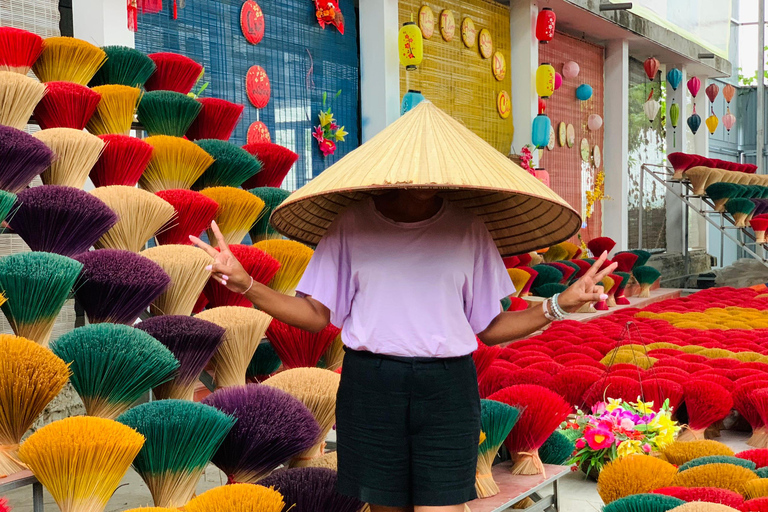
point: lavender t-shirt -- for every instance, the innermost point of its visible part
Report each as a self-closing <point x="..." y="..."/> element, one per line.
<point x="421" y="289"/>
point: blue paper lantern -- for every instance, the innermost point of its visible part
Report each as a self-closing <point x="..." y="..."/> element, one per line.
<point x="694" y="122"/>
<point x="540" y="132"/>
<point x="410" y="100"/>
<point x="674" y="77"/>
<point x="584" y="92"/>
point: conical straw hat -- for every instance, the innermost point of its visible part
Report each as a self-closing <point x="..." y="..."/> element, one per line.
<point x="427" y="148"/>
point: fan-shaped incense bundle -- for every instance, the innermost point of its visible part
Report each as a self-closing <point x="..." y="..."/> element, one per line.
<point x="258" y="264"/>
<point x="298" y="348"/>
<point x="231" y="167"/>
<point x="175" y="163"/>
<point x="264" y="363"/>
<point x="759" y="226"/>
<point x="330" y="461"/>
<point x="659" y="390"/>
<point x="549" y="289"/>
<point x="114" y="115"/>
<point x="181" y="438"/>
<point x="276" y="162"/>
<point x="496" y="420"/>
<point x="272" y="426"/>
<point x="238" y="211"/>
<point x="316" y="388"/>
<point x="194" y="213"/>
<point x="174" y="73"/>
<point x="22" y="157"/>
<point x="633" y="474"/>
<point x="121" y="163"/>
<point x="19" y="49"/>
<point x="118" y="285"/>
<point x="167" y="113"/>
<point x="245" y="328"/>
<point x="66" y="105"/>
<point x="81" y="460"/>
<point x="76" y="153"/>
<point x="311" y="490"/>
<point x="555" y="253"/>
<point x="7" y="203"/>
<point x="483" y="356"/>
<point x="612" y="387"/>
<point x="237" y="498"/>
<point x="217" y="120"/>
<point x="599" y="245"/>
<point x="724" y="476"/>
<point x="704" y="494"/>
<point x="124" y="66"/>
<point x="497" y="378"/>
<point x="696" y="506"/>
<point x="272" y="197"/>
<point x="625" y="260"/>
<point x="706" y="403"/>
<point x="62" y="220"/>
<point x="557" y="449"/>
<point x="646" y="276"/>
<point x="293" y="257"/>
<point x="192" y="341"/>
<point x="36" y="285"/>
<point x="113" y="366"/>
<point x="758" y="455"/>
<point x="519" y="279"/>
<point x="751" y="409"/>
<point x="679" y="453"/>
<point x="141" y="215"/>
<point x="19" y="95"/>
<point x="740" y="208"/>
<point x="186" y="267"/>
<point x="67" y="59"/>
<point x="721" y="193"/>
<point x="619" y="297"/>
<point x="30" y="377"/>
<point x="718" y="459"/>
<point x="644" y="503"/>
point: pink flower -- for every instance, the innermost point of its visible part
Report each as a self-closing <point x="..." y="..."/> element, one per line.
<point x="646" y="448"/>
<point x="333" y="126"/>
<point x="580" y="444"/>
<point x="318" y="134"/>
<point x="328" y="147"/>
<point x="627" y="423"/>
<point x="598" y="408"/>
<point x="599" y="438"/>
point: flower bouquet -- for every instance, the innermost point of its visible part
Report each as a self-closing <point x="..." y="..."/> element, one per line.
<point x="328" y="133"/>
<point x="616" y="429"/>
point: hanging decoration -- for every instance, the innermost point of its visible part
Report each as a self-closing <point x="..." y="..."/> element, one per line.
<point x="694" y="84"/>
<point x="712" y="121"/>
<point x="594" y="122"/>
<point x="258" y="132"/>
<point x="545" y="25"/>
<point x="499" y="66"/>
<point x="674" y="77"/>
<point x="410" y="45"/>
<point x="504" y="104"/>
<point x="728" y="92"/>
<point x="328" y="12"/>
<point x="712" y="91"/>
<point x="468" y="32"/>
<point x="728" y="119"/>
<point x="561" y="134"/>
<point x="586" y="150"/>
<point x="258" y="87"/>
<point x="571" y="69"/>
<point x="426" y="21"/>
<point x="595" y="196"/>
<point x="558" y="80"/>
<point x="252" y="22"/>
<point x="694" y="122"/>
<point x="540" y="131"/>
<point x="542" y="106"/>
<point x="545" y="80"/>
<point x="552" y="137"/>
<point x="674" y="118"/>
<point x="328" y="133"/>
<point x="570" y="135"/>
<point x="651" y="66"/>
<point x="410" y="100"/>
<point x="584" y="92"/>
<point x="133" y="15"/>
<point x="485" y="43"/>
<point x="651" y="107"/>
<point x="447" y="25"/>
<point x="597" y="157"/>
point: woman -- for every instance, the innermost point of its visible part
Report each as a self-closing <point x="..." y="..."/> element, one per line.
<point x="411" y="279"/>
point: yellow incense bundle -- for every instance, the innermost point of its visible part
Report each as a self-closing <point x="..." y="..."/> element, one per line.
<point x="114" y="115"/>
<point x="334" y="356"/>
<point x="186" y="267"/>
<point x="238" y="212"/>
<point x="76" y="153"/>
<point x="19" y="95"/>
<point x="293" y="257"/>
<point x="175" y="163"/>
<point x="66" y="59"/>
<point x="237" y="498"/>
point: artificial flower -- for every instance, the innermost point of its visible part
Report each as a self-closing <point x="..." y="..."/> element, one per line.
<point x="580" y="443"/>
<point x="340" y="134"/>
<point x="644" y="407"/>
<point x="328" y="147"/>
<point x="613" y="404"/>
<point x="326" y="118"/>
<point x="599" y="438"/>
<point x="647" y="448"/>
<point x="599" y="408"/>
<point x="333" y="126"/>
<point x="629" y="447"/>
<point x="318" y="134"/>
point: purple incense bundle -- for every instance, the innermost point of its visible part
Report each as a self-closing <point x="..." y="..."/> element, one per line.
<point x="761" y="206"/>
<point x="118" y="285"/>
<point x="311" y="490"/>
<point x="62" y="220"/>
<point x="192" y="341"/>
<point x="22" y="157"/>
<point x="272" y="427"/>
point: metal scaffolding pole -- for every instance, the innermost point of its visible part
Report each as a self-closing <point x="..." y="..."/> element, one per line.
<point x="761" y="86"/>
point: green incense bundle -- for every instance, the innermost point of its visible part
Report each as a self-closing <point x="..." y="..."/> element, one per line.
<point x="124" y="66"/>
<point x="264" y="363"/>
<point x="557" y="449"/>
<point x="506" y="303"/>
<point x="36" y="284"/>
<point x="181" y="438"/>
<point x="718" y="459"/>
<point x="722" y="192"/>
<point x="574" y="266"/>
<point x="272" y="197"/>
<point x="232" y="165"/>
<point x="496" y="420"/>
<point x="644" y="503"/>
<point x="114" y="365"/>
<point x="167" y="113"/>
<point x="545" y="275"/>
<point x="7" y="203"/>
<point x="549" y="289"/>
<point x="740" y="208"/>
<point x="645" y="276"/>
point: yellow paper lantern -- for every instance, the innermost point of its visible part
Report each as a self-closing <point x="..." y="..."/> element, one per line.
<point x="712" y="123"/>
<point x="411" y="45"/>
<point x="545" y="80"/>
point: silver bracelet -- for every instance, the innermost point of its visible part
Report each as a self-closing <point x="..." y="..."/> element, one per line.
<point x="559" y="312"/>
<point x="549" y="316"/>
<point x="248" y="289"/>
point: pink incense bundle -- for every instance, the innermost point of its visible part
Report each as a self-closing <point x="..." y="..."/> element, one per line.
<point x="122" y="162"/>
<point x="484" y="356"/>
<point x="194" y="213"/>
<point x="298" y="348"/>
<point x="759" y="225"/>
<point x="19" y="49"/>
<point x="217" y="120"/>
<point x="259" y="265"/>
<point x="707" y="403"/>
<point x="66" y="105"/>
<point x="598" y="246"/>
<point x="276" y="162"/>
<point x="174" y="73"/>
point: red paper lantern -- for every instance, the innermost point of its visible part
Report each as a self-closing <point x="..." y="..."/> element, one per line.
<point x="542" y="106"/>
<point x="252" y="22"/>
<point x="545" y="25"/>
<point x="651" y="66"/>
<point x="257" y="86"/>
<point x="258" y="132"/>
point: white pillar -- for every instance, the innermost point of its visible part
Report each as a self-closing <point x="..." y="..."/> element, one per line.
<point x="524" y="59"/>
<point x="678" y="143"/>
<point x="616" y="142"/>
<point x="379" y="65"/>
<point x="102" y="22"/>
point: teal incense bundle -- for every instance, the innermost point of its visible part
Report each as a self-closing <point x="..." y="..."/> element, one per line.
<point x="497" y="420"/>
<point x="167" y="113"/>
<point x="124" y="66"/>
<point x="272" y="197"/>
<point x="264" y="363"/>
<point x="232" y="165"/>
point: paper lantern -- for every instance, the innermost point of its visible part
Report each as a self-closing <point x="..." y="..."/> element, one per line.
<point x="252" y="22"/>
<point x="651" y="107"/>
<point x="558" y="80"/>
<point x="674" y="77"/>
<point x="694" y="84"/>
<point x="651" y="66"/>
<point x="694" y="122"/>
<point x="542" y="106"/>
<point x="674" y="118"/>
<point x="594" y="122"/>
<point x="712" y="91"/>
<point x="728" y="92"/>
<point x="584" y="92"/>
<point x="258" y="132"/>
<point x="728" y="119"/>
<point x="257" y="87"/>
<point x="410" y="100"/>
<point x="712" y="122"/>
<point x="570" y="69"/>
<point x="540" y="132"/>
<point x="545" y="25"/>
<point x="545" y="80"/>
<point x="411" y="45"/>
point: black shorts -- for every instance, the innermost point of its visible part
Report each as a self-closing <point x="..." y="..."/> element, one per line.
<point x="407" y="430"/>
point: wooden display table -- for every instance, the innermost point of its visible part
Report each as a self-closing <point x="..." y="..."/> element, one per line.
<point x="23" y="479"/>
<point x="514" y="488"/>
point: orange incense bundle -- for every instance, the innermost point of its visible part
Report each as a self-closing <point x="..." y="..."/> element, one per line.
<point x="759" y="225"/>
<point x="217" y="120"/>
<point x="259" y="265"/>
<point x="122" y="162"/>
<point x="66" y="105"/>
<point x="276" y="160"/>
<point x="174" y="73"/>
<point x="68" y="59"/>
<point x="293" y="257"/>
<point x="298" y="348"/>
<point x="238" y="211"/>
<point x="19" y="49"/>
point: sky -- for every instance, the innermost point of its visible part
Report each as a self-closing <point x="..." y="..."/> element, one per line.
<point x="748" y="37"/>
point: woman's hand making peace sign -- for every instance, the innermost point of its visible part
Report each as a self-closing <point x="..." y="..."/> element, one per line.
<point x="586" y="289"/>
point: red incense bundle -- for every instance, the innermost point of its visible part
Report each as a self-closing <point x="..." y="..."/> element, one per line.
<point x="194" y="213"/>
<point x="19" y="49"/>
<point x="174" y="73"/>
<point x="706" y="403"/>
<point x="298" y="348"/>
<point x="66" y="105"/>
<point x="759" y="225"/>
<point x="122" y="162"/>
<point x="217" y="120"/>
<point x="259" y="265"/>
<point x="598" y="246"/>
<point x="276" y="160"/>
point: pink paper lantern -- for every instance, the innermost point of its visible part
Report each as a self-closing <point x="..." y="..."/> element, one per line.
<point x="694" y="84"/>
<point x="594" y="122"/>
<point x="558" y="80"/>
<point x="571" y="69"/>
<point x="729" y="120"/>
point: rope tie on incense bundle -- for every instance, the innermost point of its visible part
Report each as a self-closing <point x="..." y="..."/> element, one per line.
<point x="8" y="451"/>
<point x="535" y="460"/>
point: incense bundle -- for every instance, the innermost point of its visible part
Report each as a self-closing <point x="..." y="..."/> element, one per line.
<point x="192" y="341"/>
<point x="167" y="113"/>
<point x="330" y="461"/>
<point x="483" y="356"/>
<point x="659" y="389"/>
<point x="696" y="506"/>
<point x="597" y="246"/>
<point x="19" y="95"/>
<point x="722" y="192"/>
<point x="293" y="257"/>
<point x="264" y="363"/>
<point x="706" y="403"/>
<point x="276" y="162"/>
<point x="759" y="226"/>
<point x="81" y="460"/>
<point x="498" y="377"/>
<point x="678" y="453"/>
<point x="36" y="285"/>
<point x="118" y="285"/>
<point x="718" y="459"/>
<point x="22" y="157"/>
<point x="76" y="153"/>
<point x="557" y="449"/>
<point x="194" y="213"/>
<point x="298" y="348"/>
<point x="66" y="59"/>
<point x="258" y="264"/>
<point x="231" y="167"/>
<point x="140" y="214"/>
<point x="19" y="49"/>
<point x="555" y="253"/>
<point x="66" y="105"/>
<point x="245" y="328"/>
<point x="174" y="72"/>
<point x="237" y="498"/>
<point x="625" y="260"/>
<point x="646" y="276"/>
<point x="705" y="494"/>
<point x="181" y="438"/>
<point x="497" y="420"/>
<point x="124" y="66"/>
<point x="238" y="211"/>
<point x="633" y="474"/>
<point x="272" y="426"/>
<point x="217" y="120"/>
<point x="740" y="208"/>
<point x="311" y="490"/>
<point x="122" y="162"/>
<point x="619" y="297"/>
<point x="756" y="505"/>
<point x="62" y="220"/>
<point x="186" y="267"/>
<point x="30" y="377"/>
<point x="7" y="203"/>
<point x="272" y="197"/>
<point x="724" y="476"/>
<point x="113" y="365"/>
<point x="758" y="455"/>
<point x="114" y="115"/>
<point x="315" y="388"/>
<point x="175" y="163"/>
<point x="644" y="503"/>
